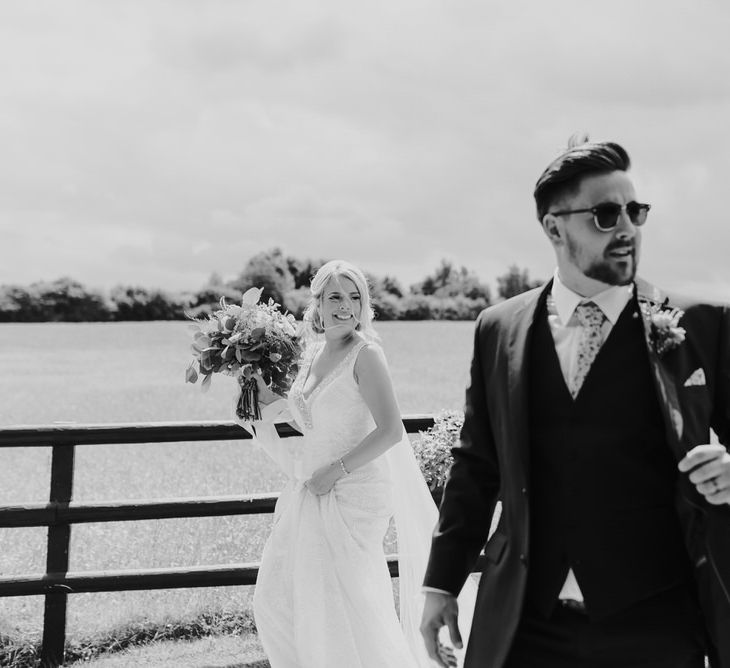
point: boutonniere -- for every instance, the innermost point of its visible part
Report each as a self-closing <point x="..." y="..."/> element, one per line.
<point x="662" y="325"/>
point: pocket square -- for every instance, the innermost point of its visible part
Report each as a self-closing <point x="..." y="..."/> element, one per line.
<point x="696" y="378"/>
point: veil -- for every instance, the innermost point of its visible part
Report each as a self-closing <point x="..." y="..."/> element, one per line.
<point x="415" y="515"/>
<point x="264" y="434"/>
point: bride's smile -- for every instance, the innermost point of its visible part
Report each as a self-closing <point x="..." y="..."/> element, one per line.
<point x="341" y="306"/>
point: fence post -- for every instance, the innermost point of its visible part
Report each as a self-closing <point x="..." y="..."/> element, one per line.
<point x="59" y="538"/>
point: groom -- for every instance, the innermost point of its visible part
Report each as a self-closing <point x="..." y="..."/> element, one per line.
<point x="588" y="414"/>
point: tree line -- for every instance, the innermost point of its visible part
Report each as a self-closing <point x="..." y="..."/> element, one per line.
<point x="448" y="293"/>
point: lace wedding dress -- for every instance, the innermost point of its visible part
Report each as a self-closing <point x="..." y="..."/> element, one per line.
<point x="324" y="596"/>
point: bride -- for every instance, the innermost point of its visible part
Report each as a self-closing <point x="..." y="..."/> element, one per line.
<point x="324" y="597"/>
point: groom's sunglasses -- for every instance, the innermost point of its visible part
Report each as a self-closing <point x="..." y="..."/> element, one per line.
<point x="606" y="215"/>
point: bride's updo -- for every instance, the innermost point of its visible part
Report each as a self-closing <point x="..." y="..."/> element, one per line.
<point x="335" y="270"/>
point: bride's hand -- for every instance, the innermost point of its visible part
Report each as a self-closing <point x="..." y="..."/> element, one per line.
<point x="324" y="479"/>
<point x="265" y="393"/>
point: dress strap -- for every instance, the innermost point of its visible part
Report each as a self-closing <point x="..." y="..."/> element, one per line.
<point x="358" y="347"/>
<point x="355" y="351"/>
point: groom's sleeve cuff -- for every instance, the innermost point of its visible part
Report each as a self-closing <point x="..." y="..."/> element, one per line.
<point x="435" y="590"/>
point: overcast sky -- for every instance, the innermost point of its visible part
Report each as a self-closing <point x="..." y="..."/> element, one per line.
<point x="155" y="142"/>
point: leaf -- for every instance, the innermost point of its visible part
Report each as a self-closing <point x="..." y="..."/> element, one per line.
<point x="207" y="361"/>
<point x="191" y="375"/>
<point x="201" y="337"/>
<point x="251" y="296"/>
<point x="205" y="386"/>
<point x="250" y="356"/>
<point x="258" y="333"/>
<point x="239" y="357"/>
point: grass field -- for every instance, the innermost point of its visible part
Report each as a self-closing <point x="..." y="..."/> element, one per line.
<point x="128" y="372"/>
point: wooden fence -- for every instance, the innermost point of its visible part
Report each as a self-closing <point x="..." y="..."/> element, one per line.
<point x="60" y="513"/>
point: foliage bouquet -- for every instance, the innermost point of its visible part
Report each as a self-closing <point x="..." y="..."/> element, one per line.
<point x="433" y="448"/>
<point x="242" y="341"/>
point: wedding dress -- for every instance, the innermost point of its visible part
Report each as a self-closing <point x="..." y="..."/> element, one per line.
<point x="324" y="597"/>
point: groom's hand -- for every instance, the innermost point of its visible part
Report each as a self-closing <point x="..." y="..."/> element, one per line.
<point x="439" y="610"/>
<point x="709" y="467"/>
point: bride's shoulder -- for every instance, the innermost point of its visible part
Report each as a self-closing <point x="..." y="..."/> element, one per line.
<point x="369" y="354"/>
<point x="371" y="367"/>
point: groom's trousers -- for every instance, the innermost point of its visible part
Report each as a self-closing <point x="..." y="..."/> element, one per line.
<point x="664" y="631"/>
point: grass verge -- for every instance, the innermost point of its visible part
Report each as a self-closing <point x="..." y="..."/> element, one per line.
<point x="17" y="653"/>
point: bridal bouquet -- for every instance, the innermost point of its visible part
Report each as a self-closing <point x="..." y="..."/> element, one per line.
<point x="242" y="341"/>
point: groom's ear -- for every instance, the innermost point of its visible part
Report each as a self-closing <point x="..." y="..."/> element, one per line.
<point x="553" y="228"/>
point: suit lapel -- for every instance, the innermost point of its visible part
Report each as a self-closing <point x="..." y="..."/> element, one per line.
<point x="517" y="390"/>
<point x="663" y="379"/>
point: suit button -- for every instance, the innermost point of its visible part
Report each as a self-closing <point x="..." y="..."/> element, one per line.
<point x="524" y="491"/>
<point x="523" y="559"/>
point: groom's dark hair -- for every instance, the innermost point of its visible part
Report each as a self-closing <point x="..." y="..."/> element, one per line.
<point x="582" y="158"/>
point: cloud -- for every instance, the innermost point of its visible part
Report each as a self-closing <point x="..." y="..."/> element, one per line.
<point x="166" y="140"/>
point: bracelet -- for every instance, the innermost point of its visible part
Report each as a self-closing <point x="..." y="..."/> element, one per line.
<point x="342" y="466"/>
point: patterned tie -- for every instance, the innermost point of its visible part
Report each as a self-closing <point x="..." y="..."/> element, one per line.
<point x="591" y="318"/>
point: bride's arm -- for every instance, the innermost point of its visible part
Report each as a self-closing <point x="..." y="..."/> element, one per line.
<point x="376" y="387"/>
<point x="266" y="394"/>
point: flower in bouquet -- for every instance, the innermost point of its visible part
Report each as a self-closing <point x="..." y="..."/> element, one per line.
<point x="241" y="341"/>
<point x="433" y="448"/>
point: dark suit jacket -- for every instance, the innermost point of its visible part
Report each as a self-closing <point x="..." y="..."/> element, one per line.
<point x="492" y="462"/>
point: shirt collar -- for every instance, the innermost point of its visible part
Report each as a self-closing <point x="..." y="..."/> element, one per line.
<point x="611" y="301"/>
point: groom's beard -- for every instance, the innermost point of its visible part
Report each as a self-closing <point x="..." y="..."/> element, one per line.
<point x="607" y="269"/>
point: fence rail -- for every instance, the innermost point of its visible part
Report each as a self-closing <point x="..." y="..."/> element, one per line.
<point x="49" y="514"/>
<point x="61" y="512"/>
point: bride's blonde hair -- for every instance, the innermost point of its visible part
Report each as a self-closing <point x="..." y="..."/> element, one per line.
<point x="333" y="271"/>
